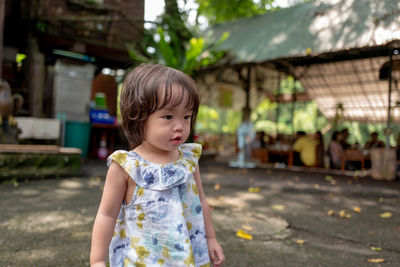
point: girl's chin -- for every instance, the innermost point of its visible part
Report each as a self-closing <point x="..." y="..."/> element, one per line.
<point x="176" y="142"/>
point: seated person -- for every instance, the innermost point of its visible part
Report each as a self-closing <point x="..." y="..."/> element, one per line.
<point x="258" y="141"/>
<point x="306" y="147"/>
<point x="335" y="151"/>
<point x="374" y="142"/>
<point x="345" y="136"/>
<point x="320" y="149"/>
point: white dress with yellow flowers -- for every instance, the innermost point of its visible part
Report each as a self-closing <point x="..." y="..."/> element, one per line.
<point x="163" y="225"/>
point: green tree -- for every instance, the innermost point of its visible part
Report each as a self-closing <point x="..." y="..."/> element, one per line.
<point x="225" y="10"/>
<point x="173" y="44"/>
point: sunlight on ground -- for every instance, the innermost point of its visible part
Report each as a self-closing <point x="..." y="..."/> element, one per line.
<point x="238" y="201"/>
<point x="72" y="184"/>
<point x="26" y="192"/>
<point x="35" y="255"/>
<point x="42" y="222"/>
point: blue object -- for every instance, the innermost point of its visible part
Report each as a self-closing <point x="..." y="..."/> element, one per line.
<point x="101" y="116"/>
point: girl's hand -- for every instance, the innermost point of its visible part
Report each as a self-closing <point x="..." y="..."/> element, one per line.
<point x="216" y="253"/>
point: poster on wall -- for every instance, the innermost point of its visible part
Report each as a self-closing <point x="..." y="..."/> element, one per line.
<point x="225" y="99"/>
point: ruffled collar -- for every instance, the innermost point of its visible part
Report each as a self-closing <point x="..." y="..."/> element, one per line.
<point x="156" y="176"/>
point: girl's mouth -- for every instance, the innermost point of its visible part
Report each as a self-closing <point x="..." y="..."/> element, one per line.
<point x="176" y="140"/>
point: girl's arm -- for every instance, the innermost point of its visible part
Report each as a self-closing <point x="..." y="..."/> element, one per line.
<point x="103" y="228"/>
<point x="214" y="249"/>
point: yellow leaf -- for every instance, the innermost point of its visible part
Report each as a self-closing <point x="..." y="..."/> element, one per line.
<point x="385" y="215"/>
<point x="376" y="248"/>
<point x="244" y="235"/>
<point x="343" y="214"/>
<point x="217" y="186"/>
<point x="300" y="241"/>
<point x="376" y="260"/>
<point x="254" y="189"/>
<point x="381" y="199"/>
<point x="278" y="207"/>
<point x="329" y="178"/>
<point x="357" y="209"/>
<point x="15" y="184"/>
<point x="331" y="212"/>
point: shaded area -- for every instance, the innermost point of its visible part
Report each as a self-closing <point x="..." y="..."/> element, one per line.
<point x="48" y="222"/>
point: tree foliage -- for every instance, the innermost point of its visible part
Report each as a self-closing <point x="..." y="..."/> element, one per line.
<point x="173" y="44"/>
<point x="225" y="10"/>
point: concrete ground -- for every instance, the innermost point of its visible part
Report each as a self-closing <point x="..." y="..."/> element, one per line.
<point x="295" y="218"/>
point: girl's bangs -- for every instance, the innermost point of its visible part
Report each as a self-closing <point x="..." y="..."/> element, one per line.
<point x="173" y="98"/>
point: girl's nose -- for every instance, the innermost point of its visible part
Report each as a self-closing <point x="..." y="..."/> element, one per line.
<point x="178" y="126"/>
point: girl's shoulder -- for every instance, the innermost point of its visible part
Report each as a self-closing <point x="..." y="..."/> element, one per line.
<point x="158" y="176"/>
<point x="120" y="156"/>
<point x="191" y="150"/>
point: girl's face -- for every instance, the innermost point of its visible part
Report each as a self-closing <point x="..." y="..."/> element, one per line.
<point x="168" y="127"/>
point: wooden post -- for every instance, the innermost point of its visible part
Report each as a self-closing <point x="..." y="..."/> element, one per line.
<point x="36" y="77"/>
<point x="2" y="16"/>
<point x="294" y="99"/>
<point x="278" y="105"/>
<point x="389" y="99"/>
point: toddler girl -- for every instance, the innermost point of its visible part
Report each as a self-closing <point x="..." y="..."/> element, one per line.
<point x="153" y="211"/>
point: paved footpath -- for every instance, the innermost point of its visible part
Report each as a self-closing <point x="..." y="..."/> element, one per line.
<point x="295" y="219"/>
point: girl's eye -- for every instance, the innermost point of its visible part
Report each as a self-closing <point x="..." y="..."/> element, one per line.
<point x="168" y="117"/>
<point x="187" y="117"/>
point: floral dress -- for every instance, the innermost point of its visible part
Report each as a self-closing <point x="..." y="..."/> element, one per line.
<point x="163" y="225"/>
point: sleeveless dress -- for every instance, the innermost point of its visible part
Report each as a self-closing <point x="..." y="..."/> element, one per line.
<point x="163" y="225"/>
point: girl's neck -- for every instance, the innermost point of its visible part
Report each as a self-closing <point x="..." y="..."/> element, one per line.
<point x="154" y="155"/>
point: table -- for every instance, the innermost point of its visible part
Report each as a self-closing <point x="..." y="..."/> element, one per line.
<point x="102" y="131"/>
<point x="288" y="154"/>
<point x="354" y="155"/>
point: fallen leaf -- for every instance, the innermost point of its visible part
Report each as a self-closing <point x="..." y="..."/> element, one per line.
<point x="381" y="199"/>
<point x="278" y="207"/>
<point x="349" y="181"/>
<point x="297" y="179"/>
<point x="247" y="227"/>
<point x="331" y="212"/>
<point x="357" y="209"/>
<point x="217" y="186"/>
<point x="376" y="249"/>
<point x="244" y="235"/>
<point x="254" y="189"/>
<point x="300" y="241"/>
<point x="376" y="260"/>
<point x="385" y="215"/>
<point x="16" y="184"/>
<point x="343" y="214"/>
<point x="329" y="178"/>
<point x="316" y="186"/>
<point x="371" y="233"/>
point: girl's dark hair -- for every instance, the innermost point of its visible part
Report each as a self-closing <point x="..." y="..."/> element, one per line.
<point x="141" y="92"/>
